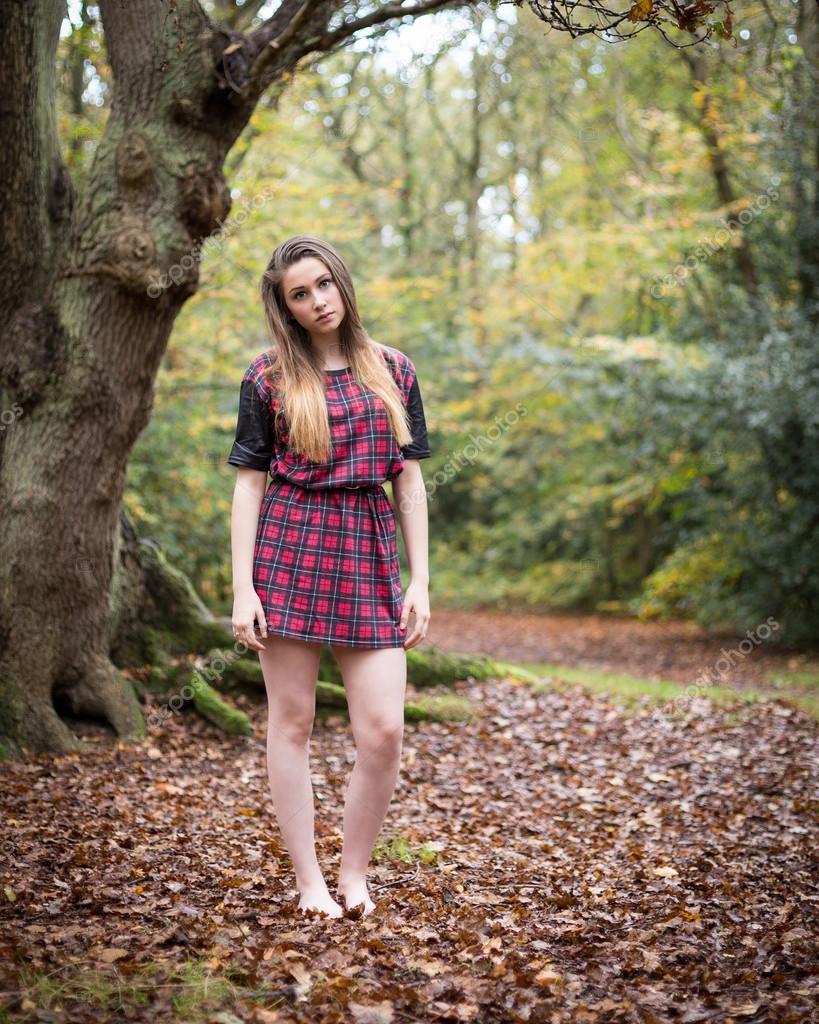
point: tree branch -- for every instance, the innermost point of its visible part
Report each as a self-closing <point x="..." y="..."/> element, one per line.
<point x="269" y="41"/>
<point x="593" y="17"/>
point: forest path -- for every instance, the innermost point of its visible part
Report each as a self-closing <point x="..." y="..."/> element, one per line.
<point x="677" y="651"/>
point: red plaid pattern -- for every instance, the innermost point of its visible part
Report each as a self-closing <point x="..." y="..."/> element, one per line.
<point x="326" y="567"/>
<point x="325" y="563"/>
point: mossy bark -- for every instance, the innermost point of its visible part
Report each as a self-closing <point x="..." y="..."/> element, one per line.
<point x="216" y="709"/>
<point x="427" y="667"/>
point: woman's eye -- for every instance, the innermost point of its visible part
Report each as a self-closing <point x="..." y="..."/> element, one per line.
<point x="326" y="280"/>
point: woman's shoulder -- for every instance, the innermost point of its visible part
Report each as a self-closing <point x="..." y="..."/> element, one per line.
<point x="394" y="355"/>
<point x="262" y="371"/>
<point x="261" y="362"/>
<point x="402" y="366"/>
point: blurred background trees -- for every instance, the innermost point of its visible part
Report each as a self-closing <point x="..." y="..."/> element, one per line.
<point x="621" y="238"/>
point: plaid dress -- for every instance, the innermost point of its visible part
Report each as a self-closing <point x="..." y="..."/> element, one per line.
<point x="325" y="564"/>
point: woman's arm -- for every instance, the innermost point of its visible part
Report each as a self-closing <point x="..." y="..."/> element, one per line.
<point x="410" y="499"/>
<point x="244" y="520"/>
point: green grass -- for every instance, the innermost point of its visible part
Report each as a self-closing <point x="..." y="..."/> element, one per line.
<point x="193" y="989"/>
<point x="401" y="849"/>
<point x="629" y="691"/>
<point x="805" y="678"/>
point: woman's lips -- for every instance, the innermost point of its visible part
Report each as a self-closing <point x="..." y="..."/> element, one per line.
<point x="326" y="316"/>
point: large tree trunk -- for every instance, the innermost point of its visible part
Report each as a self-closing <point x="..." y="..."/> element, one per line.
<point x="742" y="253"/>
<point x="90" y="320"/>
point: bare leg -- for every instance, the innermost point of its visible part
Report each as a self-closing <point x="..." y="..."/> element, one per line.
<point x="375" y="681"/>
<point x="290" y="669"/>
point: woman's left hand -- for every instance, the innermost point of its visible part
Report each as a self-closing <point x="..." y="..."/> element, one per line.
<point x="416" y="600"/>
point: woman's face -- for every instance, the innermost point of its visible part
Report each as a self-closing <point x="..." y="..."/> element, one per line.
<point x="310" y="293"/>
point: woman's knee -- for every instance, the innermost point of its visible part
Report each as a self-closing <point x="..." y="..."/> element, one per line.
<point x="294" y="732"/>
<point x="382" y="737"/>
<point x="292" y="721"/>
<point x="290" y="669"/>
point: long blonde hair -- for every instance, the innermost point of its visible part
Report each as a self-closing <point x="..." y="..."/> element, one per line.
<point x="295" y="371"/>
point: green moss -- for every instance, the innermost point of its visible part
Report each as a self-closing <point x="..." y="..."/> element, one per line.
<point x="427" y="666"/>
<point x="243" y="672"/>
<point x="440" y="708"/>
<point x="154" y="647"/>
<point x="399" y="848"/>
<point x="432" y="667"/>
<point x="215" y="709"/>
<point x="330" y="695"/>
<point x="331" y="698"/>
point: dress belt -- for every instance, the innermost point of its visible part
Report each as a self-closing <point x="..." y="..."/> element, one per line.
<point x="336" y="487"/>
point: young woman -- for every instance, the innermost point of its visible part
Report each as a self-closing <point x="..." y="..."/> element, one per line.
<point x="332" y="415"/>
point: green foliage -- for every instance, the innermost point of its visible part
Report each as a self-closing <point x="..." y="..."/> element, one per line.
<point x="623" y="415"/>
<point x="701" y="574"/>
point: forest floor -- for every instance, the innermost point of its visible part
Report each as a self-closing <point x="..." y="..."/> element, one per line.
<point x="623" y="655"/>
<point x="547" y="857"/>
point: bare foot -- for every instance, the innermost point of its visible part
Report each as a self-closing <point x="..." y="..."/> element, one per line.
<point x="355" y="897"/>
<point x="317" y="903"/>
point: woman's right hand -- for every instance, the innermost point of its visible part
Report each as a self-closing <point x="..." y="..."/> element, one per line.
<point x="247" y="609"/>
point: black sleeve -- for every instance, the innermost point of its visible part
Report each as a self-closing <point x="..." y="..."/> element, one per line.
<point x="419" y="446"/>
<point x="253" y="446"/>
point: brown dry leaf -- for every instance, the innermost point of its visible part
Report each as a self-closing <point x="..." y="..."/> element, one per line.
<point x="540" y="905"/>
<point x="666" y="871"/>
<point x="640" y="10"/>
<point x="549" y="977"/>
<point x="108" y="956"/>
<point x="373" y="1013"/>
<point x="431" y="968"/>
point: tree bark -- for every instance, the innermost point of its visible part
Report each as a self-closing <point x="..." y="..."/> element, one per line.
<point x="805" y="135"/>
<point x="88" y="317"/>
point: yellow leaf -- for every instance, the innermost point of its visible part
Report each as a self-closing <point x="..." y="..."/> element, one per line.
<point x="641" y="10"/>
